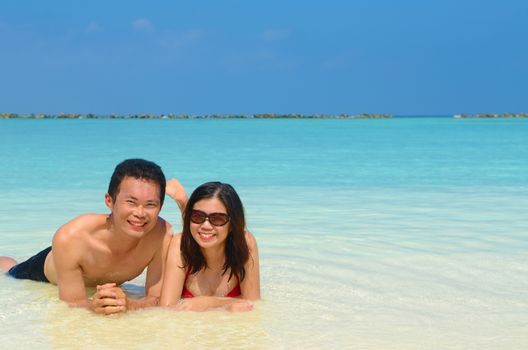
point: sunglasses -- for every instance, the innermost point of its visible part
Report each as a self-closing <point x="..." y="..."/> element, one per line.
<point x="215" y="219"/>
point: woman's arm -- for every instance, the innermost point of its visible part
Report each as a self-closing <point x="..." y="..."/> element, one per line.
<point x="250" y="286"/>
<point x="174" y="275"/>
<point x="205" y="303"/>
<point x="155" y="270"/>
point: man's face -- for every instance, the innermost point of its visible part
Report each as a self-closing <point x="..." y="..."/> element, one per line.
<point x="136" y="207"/>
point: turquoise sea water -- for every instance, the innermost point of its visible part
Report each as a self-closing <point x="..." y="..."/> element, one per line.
<point x="373" y="234"/>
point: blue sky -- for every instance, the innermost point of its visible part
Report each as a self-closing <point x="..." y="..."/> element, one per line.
<point x="246" y="57"/>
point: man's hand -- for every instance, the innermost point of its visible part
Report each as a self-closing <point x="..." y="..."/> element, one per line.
<point x="109" y="299"/>
<point x="176" y="191"/>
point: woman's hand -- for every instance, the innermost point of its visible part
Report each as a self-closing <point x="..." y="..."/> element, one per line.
<point x="206" y="303"/>
<point x="240" y="306"/>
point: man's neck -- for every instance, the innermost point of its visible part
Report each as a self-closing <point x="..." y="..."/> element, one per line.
<point x="118" y="241"/>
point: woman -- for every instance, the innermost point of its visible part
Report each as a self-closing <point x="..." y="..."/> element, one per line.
<point x="215" y="255"/>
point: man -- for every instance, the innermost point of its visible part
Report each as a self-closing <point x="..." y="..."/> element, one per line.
<point x="103" y="251"/>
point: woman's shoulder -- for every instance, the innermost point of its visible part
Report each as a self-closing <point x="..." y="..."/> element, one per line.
<point x="175" y="242"/>
<point x="250" y="240"/>
<point x="174" y="249"/>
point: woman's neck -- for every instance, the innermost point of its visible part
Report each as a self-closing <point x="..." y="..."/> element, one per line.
<point x="215" y="257"/>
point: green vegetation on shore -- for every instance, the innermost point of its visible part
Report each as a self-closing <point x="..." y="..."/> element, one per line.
<point x="174" y="116"/>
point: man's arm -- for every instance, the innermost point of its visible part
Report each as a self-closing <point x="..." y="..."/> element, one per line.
<point x="69" y="274"/>
<point x="66" y="252"/>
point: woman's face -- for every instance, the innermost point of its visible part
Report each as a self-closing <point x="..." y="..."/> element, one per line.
<point x="210" y="233"/>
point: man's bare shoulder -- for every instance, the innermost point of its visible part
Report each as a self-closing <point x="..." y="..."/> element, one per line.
<point x="80" y="228"/>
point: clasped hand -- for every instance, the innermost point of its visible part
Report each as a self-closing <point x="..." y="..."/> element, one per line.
<point x="109" y="299"/>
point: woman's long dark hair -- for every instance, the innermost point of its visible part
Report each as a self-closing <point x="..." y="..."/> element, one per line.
<point x="236" y="248"/>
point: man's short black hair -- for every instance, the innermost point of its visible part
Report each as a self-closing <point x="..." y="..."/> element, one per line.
<point x="138" y="169"/>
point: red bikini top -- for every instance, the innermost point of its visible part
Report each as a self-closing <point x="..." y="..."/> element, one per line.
<point x="235" y="292"/>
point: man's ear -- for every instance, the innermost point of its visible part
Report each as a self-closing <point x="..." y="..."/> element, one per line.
<point x="109" y="201"/>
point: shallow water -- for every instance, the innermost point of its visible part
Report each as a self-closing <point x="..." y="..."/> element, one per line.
<point x="373" y="234"/>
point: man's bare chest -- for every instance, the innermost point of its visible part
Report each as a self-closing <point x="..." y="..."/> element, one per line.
<point x="104" y="268"/>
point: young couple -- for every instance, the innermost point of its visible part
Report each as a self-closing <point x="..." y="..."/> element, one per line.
<point x="213" y="263"/>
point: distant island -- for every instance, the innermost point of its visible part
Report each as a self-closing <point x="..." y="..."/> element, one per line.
<point x="175" y="116"/>
<point x="492" y="115"/>
<point x="247" y="116"/>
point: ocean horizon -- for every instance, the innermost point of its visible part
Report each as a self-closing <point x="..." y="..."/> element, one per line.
<point x="254" y="116"/>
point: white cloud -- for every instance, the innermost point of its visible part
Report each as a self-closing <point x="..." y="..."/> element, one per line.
<point x="93" y="27"/>
<point x="275" y="34"/>
<point x="142" y="24"/>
